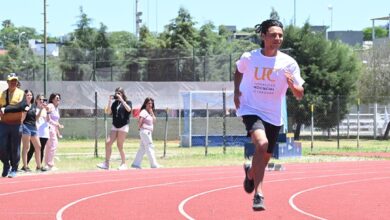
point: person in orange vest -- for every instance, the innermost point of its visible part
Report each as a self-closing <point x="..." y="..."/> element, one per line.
<point x="13" y="109"/>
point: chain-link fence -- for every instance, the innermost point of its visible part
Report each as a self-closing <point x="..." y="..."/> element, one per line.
<point x="73" y="64"/>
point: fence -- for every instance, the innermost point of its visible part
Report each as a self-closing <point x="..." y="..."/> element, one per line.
<point x="129" y="65"/>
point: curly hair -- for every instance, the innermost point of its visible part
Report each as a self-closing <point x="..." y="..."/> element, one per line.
<point x="265" y="25"/>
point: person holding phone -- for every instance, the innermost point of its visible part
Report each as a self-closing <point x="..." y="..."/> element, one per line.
<point x="120" y="108"/>
<point x="146" y="121"/>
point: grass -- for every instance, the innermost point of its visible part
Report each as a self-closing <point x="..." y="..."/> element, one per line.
<point x="78" y="155"/>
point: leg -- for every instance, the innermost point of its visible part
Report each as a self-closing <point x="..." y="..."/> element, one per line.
<point x="150" y="150"/>
<point x="30" y="152"/>
<point x="4" y="149"/>
<point x="43" y="142"/>
<point x="37" y="148"/>
<point x="51" y="147"/>
<point x="120" y="141"/>
<point x="25" y="149"/>
<point x="110" y="140"/>
<point x="260" y="159"/>
<point x="140" y="153"/>
<point x="16" y="137"/>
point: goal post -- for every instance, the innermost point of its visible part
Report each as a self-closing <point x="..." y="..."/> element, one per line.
<point x="193" y="110"/>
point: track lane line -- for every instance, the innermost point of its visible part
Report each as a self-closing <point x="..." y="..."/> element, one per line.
<point x="186" y="200"/>
<point x="291" y="200"/>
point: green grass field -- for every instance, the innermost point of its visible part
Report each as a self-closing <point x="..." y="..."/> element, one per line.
<point x="78" y="155"/>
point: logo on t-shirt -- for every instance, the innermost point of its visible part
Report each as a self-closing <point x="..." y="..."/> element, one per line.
<point x="266" y="74"/>
<point x="264" y="83"/>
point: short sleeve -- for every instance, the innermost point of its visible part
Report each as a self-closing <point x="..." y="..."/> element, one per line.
<point x="143" y="113"/>
<point x="242" y="63"/>
<point x="296" y="72"/>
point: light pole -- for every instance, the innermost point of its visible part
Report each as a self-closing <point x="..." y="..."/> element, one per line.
<point x="295" y="13"/>
<point x="20" y="35"/>
<point x="330" y="7"/>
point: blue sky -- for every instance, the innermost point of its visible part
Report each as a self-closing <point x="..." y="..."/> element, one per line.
<point x="118" y="15"/>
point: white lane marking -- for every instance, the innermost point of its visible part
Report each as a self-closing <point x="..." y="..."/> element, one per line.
<point x="100" y="181"/>
<point x="187" y="216"/>
<point x="291" y="200"/>
<point x="61" y="211"/>
<point x="182" y="203"/>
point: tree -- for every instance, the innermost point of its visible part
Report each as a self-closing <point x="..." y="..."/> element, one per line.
<point x="181" y="36"/>
<point x="274" y="14"/>
<point x="330" y="70"/>
<point x="379" y="33"/>
<point x="374" y="85"/>
<point x="78" y="59"/>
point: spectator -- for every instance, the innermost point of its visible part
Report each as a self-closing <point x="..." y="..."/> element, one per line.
<point x="30" y="132"/>
<point x="12" y="113"/>
<point x="42" y="128"/>
<point x="53" y="116"/>
<point x="146" y="120"/>
<point x="120" y="110"/>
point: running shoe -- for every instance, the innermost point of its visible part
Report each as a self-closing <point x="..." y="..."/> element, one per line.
<point x="135" y="166"/>
<point x="123" y="166"/>
<point x="12" y="174"/>
<point x="26" y="169"/>
<point x="103" y="165"/>
<point x="258" y="202"/>
<point x="249" y="184"/>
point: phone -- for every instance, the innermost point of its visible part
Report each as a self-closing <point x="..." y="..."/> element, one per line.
<point x="44" y="101"/>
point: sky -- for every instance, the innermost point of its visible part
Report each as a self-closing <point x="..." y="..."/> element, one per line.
<point x="119" y="15"/>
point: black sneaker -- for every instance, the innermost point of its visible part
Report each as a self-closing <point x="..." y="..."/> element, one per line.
<point x="26" y="169"/>
<point x="6" y="170"/>
<point x="249" y="185"/>
<point x="258" y="203"/>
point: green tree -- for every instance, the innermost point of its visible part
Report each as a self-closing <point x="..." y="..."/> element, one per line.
<point x="330" y="69"/>
<point x="274" y="14"/>
<point x="77" y="60"/>
<point x="379" y="33"/>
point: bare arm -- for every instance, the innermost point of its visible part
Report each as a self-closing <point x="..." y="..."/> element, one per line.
<point x="297" y="90"/>
<point x="237" y="92"/>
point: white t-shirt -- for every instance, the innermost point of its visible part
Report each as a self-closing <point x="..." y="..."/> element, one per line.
<point x="147" y="122"/>
<point x="264" y="84"/>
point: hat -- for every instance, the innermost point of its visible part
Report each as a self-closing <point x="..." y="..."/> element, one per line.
<point x="12" y="76"/>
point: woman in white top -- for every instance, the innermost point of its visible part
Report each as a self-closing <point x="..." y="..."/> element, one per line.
<point x="146" y="120"/>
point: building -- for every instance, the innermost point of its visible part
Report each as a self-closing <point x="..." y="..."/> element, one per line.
<point x="351" y="38"/>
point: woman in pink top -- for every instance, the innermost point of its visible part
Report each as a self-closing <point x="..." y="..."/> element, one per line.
<point x="146" y="120"/>
<point x="53" y="116"/>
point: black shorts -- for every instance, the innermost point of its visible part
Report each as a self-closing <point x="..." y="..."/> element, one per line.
<point x="254" y="122"/>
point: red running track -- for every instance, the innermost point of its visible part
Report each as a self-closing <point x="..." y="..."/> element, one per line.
<point x="342" y="190"/>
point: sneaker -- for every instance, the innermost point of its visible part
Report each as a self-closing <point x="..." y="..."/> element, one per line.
<point x="41" y="169"/>
<point x="249" y="185"/>
<point x="135" y="166"/>
<point x="156" y="166"/>
<point x="6" y="169"/>
<point x="103" y="165"/>
<point x="123" y="166"/>
<point x="26" y="169"/>
<point x="258" y="202"/>
<point x="12" y="174"/>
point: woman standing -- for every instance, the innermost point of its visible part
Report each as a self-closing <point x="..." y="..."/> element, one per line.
<point x="53" y="116"/>
<point x="42" y="126"/>
<point x="120" y="110"/>
<point x="146" y="120"/>
<point x="30" y="132"/>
